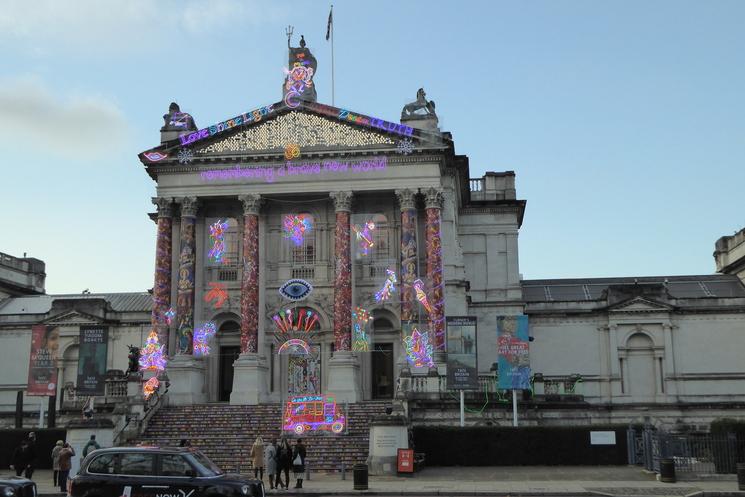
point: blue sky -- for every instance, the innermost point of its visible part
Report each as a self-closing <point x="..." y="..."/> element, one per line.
<point x="623" y="120"/>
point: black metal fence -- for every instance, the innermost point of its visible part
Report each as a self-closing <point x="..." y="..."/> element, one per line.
<point x="695" y="453"/>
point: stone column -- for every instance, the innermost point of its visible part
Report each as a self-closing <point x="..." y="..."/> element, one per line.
<point x="406" y="200"/>
<point x="186" y="372"/>
<point x="344" y="365"/>
<point x="434" y="199"/>
<point x="250" y="282"/>
<point x="185" y="291"/>
<point x="162" y="284"/>
<point x="250" y="369"/>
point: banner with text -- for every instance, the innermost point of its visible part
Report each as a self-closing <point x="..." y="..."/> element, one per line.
<point x="94" y="341"/>
<point x="513" y="359"/>
<point x="42" y="369"/>
<point x="463" y="371"/>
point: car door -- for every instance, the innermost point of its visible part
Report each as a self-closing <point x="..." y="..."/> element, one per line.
<point x="180" y="475"/>
<point x="99" y="478"/>
<point x="136" y="471"/>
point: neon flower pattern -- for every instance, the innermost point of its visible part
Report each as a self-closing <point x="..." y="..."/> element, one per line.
<point x="389" y="287"/>
<point x="217" y="235"/>
<point x="202" y="337"/>
<point x="295" y="227"/>
<point x="150" y="387"/>
<point x="421" y="296"/>
<point x="418" y="349"/>
<point x="151" y="355"/>
<point x="217" y="294"/>
<point x="360" y="338"/>
<point x="364" y="236"/>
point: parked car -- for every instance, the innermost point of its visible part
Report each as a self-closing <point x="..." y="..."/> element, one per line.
<point x="16" y="486"/>
<point x="157" y="472"/>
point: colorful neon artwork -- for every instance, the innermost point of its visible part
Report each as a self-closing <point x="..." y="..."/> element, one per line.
<point x="405" y="146"/>
<point x="318" y="413"/>
<point x="151" y="355"/>
<point x="295" y="227"/>
<point x="389" y="287"/>
<point x="299" y="78"/>
<point x="295" y="320"/>
<point x="360" y="338"/>
<point x="150" y="387"/>
<point x="292" y="151"/>
<point x="295" y="289"/>
<point x="185" y="156"/>
<point x="364" y="236"/>
<point x="169" y="315"/>
<point x="272" y="173"/>
<point x="217" y="235"/>
<point x="155" y="156"/>
<point x="217" y="294"/>
<point x="418" y="349"/>
<point x="180" y="120"/>
<point x="372" y="122"/>
<point x="246" y="118"/>
<point x="202" y="337"/>
<point x="294" y="346"/>
<point x="421" y="296"/>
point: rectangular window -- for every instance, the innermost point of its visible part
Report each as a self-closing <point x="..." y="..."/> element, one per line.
<point x="174" y="465"/>
<point x="133" y="463"/>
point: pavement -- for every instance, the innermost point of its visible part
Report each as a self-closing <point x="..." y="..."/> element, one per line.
<point x="503" y="480"/>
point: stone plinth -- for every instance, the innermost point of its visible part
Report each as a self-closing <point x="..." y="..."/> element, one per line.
<point x="186" y="374"/>
<point x="344" y="372"/>
<point x="249" y="380"/>
<point x="387" y="435"/>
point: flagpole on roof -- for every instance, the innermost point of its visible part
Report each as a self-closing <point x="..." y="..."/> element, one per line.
<point x="330" y="32"/>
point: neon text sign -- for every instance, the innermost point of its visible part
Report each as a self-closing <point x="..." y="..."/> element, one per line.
<point x="248" y="117"/>
<point x="373" y="122"/>
<point x="271" y="173"/>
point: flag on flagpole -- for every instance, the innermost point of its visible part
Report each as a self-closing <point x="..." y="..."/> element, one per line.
<point x="330" y="23"/>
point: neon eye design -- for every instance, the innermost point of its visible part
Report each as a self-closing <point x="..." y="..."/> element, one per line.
<point x="155" y="156"/>
<point x="295" y="289"/>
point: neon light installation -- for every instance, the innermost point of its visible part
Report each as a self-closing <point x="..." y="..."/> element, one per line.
<point x="202" y="335"/>
<point x="169" y="315"/>
<point x="294" y="346"/>
<point x="372" y="122"/>
<point x="216" y="293"/>
<point x="418" y="348"/>
<point x="292" y="151"/>
<point x="248" y="117"/>
<point x="151" y="355"/>
<point x="360" y="338"/>
<point x="217" y="235"/>
<point x="405" y="146"/>
<point x="150" y="387"/>
<point x="295" y="289"/>
<point x="185" y="156"/>
<point x="364" y="236"/>
<point x="303" y="320"/>
<point x="299" y="78"/>
<point x="313" y="413"/>
<point x="389" y="287"/>
<point x="421" y="296"/>
<point x="155" y="156"/>
<point x="295" y="227"/>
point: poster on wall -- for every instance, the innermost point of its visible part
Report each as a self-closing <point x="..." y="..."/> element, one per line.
<point x="92" y="360"/>
<point x="463" y="372"/>
<point x="42" y="369"/>
<point x="513" y="359"/>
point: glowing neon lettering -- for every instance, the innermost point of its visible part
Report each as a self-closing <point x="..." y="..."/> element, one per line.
<point x="373" y="122"/>
<point x="389" y="287"/>
<point x="271" y="173"/>
<point x="248" y="117"/>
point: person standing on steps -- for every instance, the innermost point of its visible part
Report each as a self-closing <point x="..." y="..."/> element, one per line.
<point x="284" y="461"/>
<point x="298" y="462"/>
<point x="257" y="458"/>
<point x="270" y="460"/>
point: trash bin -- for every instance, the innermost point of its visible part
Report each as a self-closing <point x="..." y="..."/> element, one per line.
<point x="667" y="470"/>
<point x="741" y="475"/>
<point x="360" y="476"/>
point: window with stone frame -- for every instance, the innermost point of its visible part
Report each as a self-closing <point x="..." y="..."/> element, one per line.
<point x="304" y="254"/>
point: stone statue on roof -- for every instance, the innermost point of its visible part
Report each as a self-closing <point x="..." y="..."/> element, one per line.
<point x="176" y="120"/>
<point x="301" y="67"/>
<point x="421" y="107"/>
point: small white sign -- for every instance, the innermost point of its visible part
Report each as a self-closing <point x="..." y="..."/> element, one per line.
<point x="602" y="438"/>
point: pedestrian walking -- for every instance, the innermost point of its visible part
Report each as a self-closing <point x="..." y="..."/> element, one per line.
<point x="65" y="464"/>
<point x="270" y="460"/>
<point x="284" y="461"/>
<point x="298" y="462"/>
<point x="257" y="458"/>
<point x="90" y="446"/>
<point x="20" y="456"/>
<point x="55" y="462"/>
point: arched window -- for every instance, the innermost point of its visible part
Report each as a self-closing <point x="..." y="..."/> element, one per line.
<point x="640" y="365"/>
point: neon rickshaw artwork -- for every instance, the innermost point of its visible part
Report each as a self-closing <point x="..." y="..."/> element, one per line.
<point x="313" y="413"/>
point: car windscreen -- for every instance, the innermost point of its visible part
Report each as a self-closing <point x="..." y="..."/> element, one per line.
<point x="208" y="468"/>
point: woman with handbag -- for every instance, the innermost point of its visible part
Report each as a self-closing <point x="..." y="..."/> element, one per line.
<point x="298" y="462"/>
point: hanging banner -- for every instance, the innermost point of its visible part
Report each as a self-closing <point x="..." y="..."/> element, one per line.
<point x="513" y="359"/>
<point x="463" y="371"/>
<point x="42" y="369"/>
<point x="94" y="341"/>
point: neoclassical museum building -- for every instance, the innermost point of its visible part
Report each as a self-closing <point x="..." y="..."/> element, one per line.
<point x="343" y="231"/>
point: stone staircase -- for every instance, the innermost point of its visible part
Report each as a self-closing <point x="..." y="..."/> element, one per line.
<point x="225" y="433"/>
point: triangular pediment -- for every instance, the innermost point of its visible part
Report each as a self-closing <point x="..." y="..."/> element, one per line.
<point x="72" y="318"/>
<point x="640" y="304"/>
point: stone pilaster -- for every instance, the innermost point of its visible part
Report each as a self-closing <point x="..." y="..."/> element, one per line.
<point x="187" y="269"/>
<point x="407" y="202"/>
<point x="162" y="284"/>
<point x="433" y="204"/>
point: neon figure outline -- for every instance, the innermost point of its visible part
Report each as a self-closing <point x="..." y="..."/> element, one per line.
<point x="418" y="348"/>
<point x="217" y="234"/>
<point x="295" y="227"/>
<point x="421" y="296"/>
<point x="388" y="288"/>
<point x="364" y="236"/>
<point x="360" y="339"/>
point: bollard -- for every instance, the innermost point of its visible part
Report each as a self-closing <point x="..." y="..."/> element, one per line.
<point x="741" y="475"/>
<point x="667" y="470"/>
<point x="360" y="476"/>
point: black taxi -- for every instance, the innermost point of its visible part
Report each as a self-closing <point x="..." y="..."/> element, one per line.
<point x="15" y="486"/>
<point x="157" y="472"/>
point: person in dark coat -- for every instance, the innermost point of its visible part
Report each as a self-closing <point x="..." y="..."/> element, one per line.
<point x="284" y="461"/>
<point x="20" y="457"/>
<point x="298" y="462"/>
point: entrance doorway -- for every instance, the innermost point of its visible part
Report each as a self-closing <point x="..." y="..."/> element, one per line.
<point x="228" y="355"/>
<point x="382" y="371"/>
